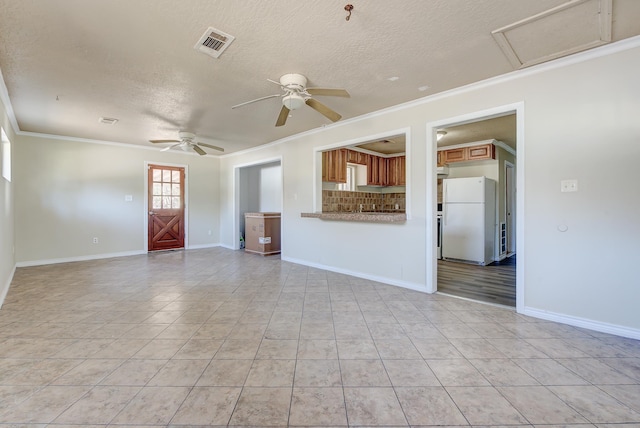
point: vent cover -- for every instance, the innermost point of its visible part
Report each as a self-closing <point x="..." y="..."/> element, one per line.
<point x="108" y="120"/>
<point x="213" y="42"/>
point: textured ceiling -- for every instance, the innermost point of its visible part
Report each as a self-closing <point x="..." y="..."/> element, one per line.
<point x="500" y="128"/>
<point x="68" y="62"/>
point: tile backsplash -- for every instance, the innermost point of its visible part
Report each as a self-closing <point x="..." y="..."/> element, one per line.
<point x="343" y="201"/>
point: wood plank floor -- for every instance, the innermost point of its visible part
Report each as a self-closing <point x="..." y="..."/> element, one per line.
<point x="495" y="283"/>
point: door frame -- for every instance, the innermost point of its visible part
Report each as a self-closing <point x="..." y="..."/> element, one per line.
<point x="510" y="191"/>
<point x="431" y="264"/>
<point x="236" y="197"/>
<point x="146" y="202"/>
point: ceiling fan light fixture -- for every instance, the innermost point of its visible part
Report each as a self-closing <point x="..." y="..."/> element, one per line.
<point x="293" y="101"/>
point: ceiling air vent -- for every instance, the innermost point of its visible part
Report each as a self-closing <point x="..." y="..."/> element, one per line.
<point x="213" y="42"/>
<point x="108" y="120"/>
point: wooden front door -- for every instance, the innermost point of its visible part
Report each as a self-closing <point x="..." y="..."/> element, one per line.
<point x="166" y="207"/>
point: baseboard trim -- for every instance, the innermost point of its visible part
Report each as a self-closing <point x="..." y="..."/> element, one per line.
<point x="404" y="284"/>
<point x="79" y="258"/>
<point x="589" y="324"/>
<point x="6" y="285"/>
<point x="203" y="246"/>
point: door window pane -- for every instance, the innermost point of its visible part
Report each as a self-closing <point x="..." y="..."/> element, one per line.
<point x="166" y="189"/>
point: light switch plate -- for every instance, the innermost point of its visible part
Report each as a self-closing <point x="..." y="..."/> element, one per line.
<point x="128" y="198"/>
<point x="569" y="186"/>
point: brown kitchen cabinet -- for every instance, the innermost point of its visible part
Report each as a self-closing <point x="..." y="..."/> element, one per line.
<point x="262" y="233"/>
<point x="462" y="154"/>
<point x="377" y="171"/>
<point x="334" y="165"/>
<point x="386" y="171"/>
<point x="455" y="155"/>
<point x="357" y="157"/>
<point x="380" y="171"/>
<point x="485" y="151"/>
<point x="352" y="156"/>
<point x="397" y="171"/>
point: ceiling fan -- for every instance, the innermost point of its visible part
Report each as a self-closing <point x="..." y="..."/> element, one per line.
<point x="187" y="141"/>
<point x="296" y="94"/>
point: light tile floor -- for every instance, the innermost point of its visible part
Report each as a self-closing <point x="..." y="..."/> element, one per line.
<point x="219" y="337"/>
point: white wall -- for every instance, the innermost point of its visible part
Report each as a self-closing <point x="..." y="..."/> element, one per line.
<point x="72" y="191"/>
<point x="580" y="120"/>
<point x="271" y="187"/>
<point x="7" y="210"/>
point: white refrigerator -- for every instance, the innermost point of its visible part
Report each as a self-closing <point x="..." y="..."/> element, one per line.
<point x="469" y="219"/>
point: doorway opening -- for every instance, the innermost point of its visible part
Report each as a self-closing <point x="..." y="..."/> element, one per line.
<point x="166" y="207"/>
<point x="475" y="256"/>
<point x="258" y="190"/>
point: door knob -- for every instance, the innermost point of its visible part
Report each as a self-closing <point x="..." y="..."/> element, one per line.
<point x="152" y="213"/>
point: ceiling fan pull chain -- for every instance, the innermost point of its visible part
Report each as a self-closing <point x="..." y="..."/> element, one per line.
<point x="348" y="8"/>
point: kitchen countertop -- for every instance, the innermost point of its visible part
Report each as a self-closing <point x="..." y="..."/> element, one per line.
<point x="375" y="217"/>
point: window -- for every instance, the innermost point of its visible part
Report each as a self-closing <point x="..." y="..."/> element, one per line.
<point x="6" y="155"/>
<point x="166" y="189"/>
<point x="350" y="185"/>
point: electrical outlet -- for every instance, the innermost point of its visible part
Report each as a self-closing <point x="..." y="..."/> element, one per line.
<point x="95" y="240"/>
<point x="209" y="232"/>
<point x="569" y="186"/>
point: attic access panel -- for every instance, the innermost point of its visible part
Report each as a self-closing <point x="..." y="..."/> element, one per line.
<point x="572" y="27"/>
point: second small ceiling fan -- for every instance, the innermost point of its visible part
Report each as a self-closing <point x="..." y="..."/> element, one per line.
<point x="186" y="142"/>
<point x="296" y="94"/>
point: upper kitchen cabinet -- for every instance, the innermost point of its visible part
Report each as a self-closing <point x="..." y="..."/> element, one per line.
<point x="357" y="157"/>
<point x="466" y="153"/>
<point x="397" y="171"/>
<point x="383" y="159"/>
<point x="377" y="171"/>
<point x="334" y="165"/>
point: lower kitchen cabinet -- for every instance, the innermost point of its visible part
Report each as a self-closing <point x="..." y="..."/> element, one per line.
<point x="262" y="233"/>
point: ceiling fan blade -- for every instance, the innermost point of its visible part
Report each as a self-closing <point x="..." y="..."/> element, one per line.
<point x="169" y="147"/>
<point x="164" y="141"/>
<point x="211" y="146"/>
<point x="282" y="117"/>
<point x="329" y="92"/>
<point x="277" y="83"/>
<point x="198" y="150"/>
<point x="323" y="109"/>
<point x="256" y="100"/>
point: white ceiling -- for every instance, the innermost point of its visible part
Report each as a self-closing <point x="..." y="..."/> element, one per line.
<point x="66" y="63"/>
